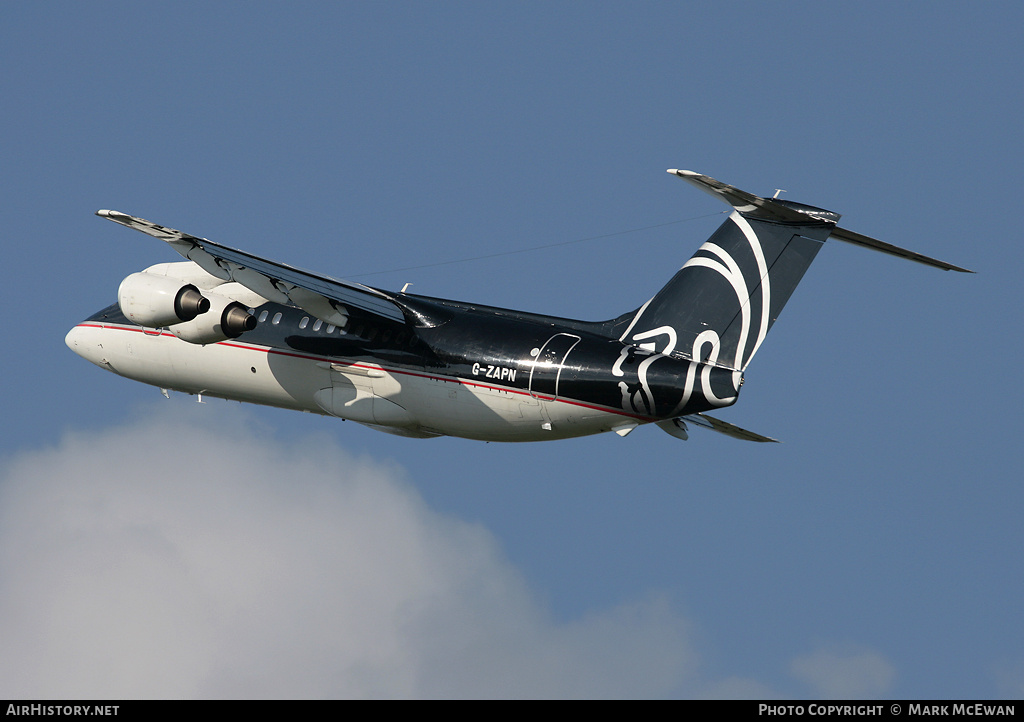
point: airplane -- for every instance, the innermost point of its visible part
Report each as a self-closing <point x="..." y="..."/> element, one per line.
<point x="229" y="324"/>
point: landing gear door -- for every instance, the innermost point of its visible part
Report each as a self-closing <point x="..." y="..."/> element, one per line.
<point x="548" y="363"/>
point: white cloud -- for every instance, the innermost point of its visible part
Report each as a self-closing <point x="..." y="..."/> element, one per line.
<point x="180" y="557"/>
<point x="845" y="673"/>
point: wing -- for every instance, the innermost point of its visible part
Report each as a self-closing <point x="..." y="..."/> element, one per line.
<point x="321" y="296"/>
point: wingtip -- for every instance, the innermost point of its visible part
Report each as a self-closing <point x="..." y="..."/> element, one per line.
<point x="116" y="216"/>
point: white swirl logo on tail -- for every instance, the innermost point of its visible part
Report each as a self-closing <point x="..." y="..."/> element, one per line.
<point x="707" y="345"/>
<point x="641" y="398"/>
<point x="726" y="266"/>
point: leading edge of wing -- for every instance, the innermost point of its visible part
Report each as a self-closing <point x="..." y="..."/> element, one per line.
<point x="278" y="282"/>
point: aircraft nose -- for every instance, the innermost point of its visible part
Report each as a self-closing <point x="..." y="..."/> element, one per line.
<point x="84" y="342"/>
<point x="73" y="339"/>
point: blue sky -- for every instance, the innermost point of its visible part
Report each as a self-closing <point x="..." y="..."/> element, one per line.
<point x="874" y="553"/>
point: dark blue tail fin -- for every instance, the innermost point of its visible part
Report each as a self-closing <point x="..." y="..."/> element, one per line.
<point x="720" y="305"/>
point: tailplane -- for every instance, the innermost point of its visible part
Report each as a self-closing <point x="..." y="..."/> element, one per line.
<point x="721" y="304"/>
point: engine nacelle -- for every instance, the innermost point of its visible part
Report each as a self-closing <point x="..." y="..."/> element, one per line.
<point x="226" y="319"/>
<point x="158" y="301"/>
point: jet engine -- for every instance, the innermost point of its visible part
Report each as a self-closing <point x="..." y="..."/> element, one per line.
<point x="225" y="319"/>
<point x="153" y="298"/>
<point x="157" y="301"/>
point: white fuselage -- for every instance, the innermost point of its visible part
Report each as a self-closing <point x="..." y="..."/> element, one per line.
<point x="397" y="400"/>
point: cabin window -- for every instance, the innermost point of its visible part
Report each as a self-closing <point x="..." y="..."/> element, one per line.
<point x="263" y="316"/>
<point x="277" y="318"/>
<point x="317" y="325"/>
<point x="330" y="328"/>
<point x="304" y="322"/>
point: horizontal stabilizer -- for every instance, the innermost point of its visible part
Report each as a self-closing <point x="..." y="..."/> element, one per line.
<point x="787" y="212"/>
<point x="746" y="203"/>
<point x="841" y="234"/>
<point x="677" y="428"/>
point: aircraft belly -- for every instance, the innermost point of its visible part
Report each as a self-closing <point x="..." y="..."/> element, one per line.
<point x="245" y="373"/>
<point x="229" y="370"/>
<point x="486" y="413"/>
<point x="451" y="407"/>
